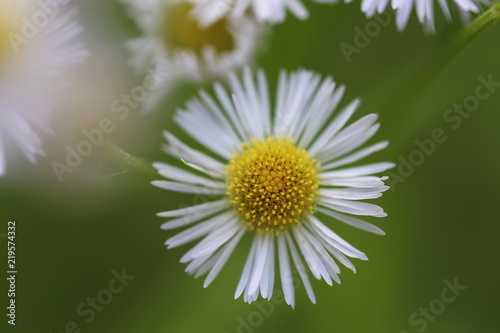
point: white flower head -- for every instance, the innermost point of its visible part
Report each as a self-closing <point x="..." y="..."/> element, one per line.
<point x="268" y="11"/>
<point x="424" y="9"/>
<point x="179" y="47"/>
<point x="275" y="176"/>
<point x="37" y="44"/>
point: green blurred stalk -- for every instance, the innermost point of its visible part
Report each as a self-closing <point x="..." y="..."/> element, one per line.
<point x="127" y="162"/>
<point x="407" y="97"/>
<point x="468" y="34"/>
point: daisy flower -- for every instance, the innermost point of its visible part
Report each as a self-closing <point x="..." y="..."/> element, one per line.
<point x="37" y="44"/>
<point x="177" y="46"/>
<point x="424" y="8"/>
<point x="268" y="11"/>
<point x="274" y="177"/>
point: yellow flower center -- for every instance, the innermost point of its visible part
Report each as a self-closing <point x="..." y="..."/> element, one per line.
<point x="272" y="184"/>
<point x="183" y="31"/>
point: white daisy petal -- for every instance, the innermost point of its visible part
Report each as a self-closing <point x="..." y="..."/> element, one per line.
<point x="350" y="144"/>
<point x="286" y="272"/>
<point x="424" y="10"/>
<point x="214" y="206"/>
<point x="300" y="268"/>
<point x="354" y="157"/>
<point x="214" y="241"/>
<point x="357" y="182"/>
<point x="186" y="188"/>
<point x="364" y="170"/>
<point x="354" y="193"/>
<point x="180" y="175"/>
<point x="332" y="130"/>
<point x="357" y="223"/>
<point x="266" y="11"/>
<point x="190" y="219"/>
<point x="224" y="256"/>
<point x="178" y="149"/>
<point x="352" y="207"/>
<point x="259" y="265"/>
<point x="332" y="238"/>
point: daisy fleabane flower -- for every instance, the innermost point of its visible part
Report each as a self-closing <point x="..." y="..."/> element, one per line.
<point x="37" y="45"/>
<point x="274" y="176"/>
<point x="424" y="9"/>
<point x="268" y="11"/>
<point x="176" y="45"/>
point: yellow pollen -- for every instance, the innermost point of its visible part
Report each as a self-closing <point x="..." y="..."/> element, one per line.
<point x="272" y="184"/>
<point x="183" y="31"/>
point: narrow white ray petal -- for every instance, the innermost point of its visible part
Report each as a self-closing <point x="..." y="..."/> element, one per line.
<point x="357" y="223"/>
<point x="200" y="126"/>
<point x="300" y="268"/>
<point x="253" y="100"/>
<point x="330" y="264"/>
<point x="259" y="265"/>
<point x="180" y="175"/>
<point x="191" y="218"/>
<point x="321" y="258"/>
<point x="186" y="188"/>
<point x="285" y="271"/>
<point x="346" y="137"/>
<point x="198" y="230"/>
<point x="403" y="13"/>
<point x="236" y="121"/>
<point x="214" y="206"/>
<point x="265" y="106"/>
<point x="335" y="240"/>
<point x="354" y="157"/>
<point x="215" y="240"/>
<point x="316" y="123"/>
<point x="247" y="269"/>
<point x="267" y="282"/>
<point x="354" y="193"/>
<point x="225" y="253"/>
<point x="335" y="252"/>
<point x="352" y="207"/>
<point x="349" y="145"/>
<point x="178" y="149"/>
<point x="364" y="170"/>
<point x="319" y="110"/>
<point x="242" y="108"/>
<point x="312" y="261"/>
<point x="333" y="129"/>
<point x="219" y="115"/>
<point x="358" y="182"/>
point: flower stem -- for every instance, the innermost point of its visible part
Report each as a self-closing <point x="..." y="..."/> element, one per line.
<point x="127" y="162"/>
<point x="470" y="33"/>
<point x="406" y="97"/>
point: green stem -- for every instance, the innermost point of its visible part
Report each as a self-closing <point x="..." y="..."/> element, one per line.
<point x="127" y="162"/>
<point x="407" y="97"/>
<point x="469" y="34"/>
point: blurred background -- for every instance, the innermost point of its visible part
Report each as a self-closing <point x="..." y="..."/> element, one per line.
<point x="442" y="224"/>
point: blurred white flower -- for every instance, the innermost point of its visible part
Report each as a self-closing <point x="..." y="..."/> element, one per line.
<point x="424" y="9"/>
<point x="178" y="47"/>
<point x="273" y="177"/>
<point x="37" y="45"/>
<point x="269" y="11"/>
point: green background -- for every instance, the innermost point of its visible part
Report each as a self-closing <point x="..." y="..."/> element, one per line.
<point x="442" y="223"/>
